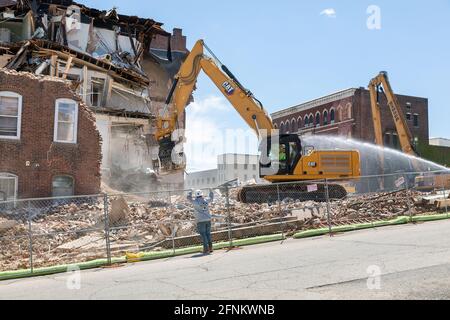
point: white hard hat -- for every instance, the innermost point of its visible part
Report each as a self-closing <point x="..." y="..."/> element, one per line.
<point x="198" y="193"/>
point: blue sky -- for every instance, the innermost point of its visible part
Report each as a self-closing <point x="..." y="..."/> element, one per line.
<point x="286" y="52"/>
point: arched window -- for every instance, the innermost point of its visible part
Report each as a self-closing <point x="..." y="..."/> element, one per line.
<point x="282" y="127"/>
<point x="306" y="122"/>
<point x="66" y="121"/>
<point x="275" y="126"/>
<point x="317" y="123"/>
<point x="332" y="116"/>
<point x="10" y="115"/>
<point x="299" y="123"/>
<point x="325" y="118"/>
<point x="294" y="127"/>
<point x="311" y="120"/>
<point x="8" y="186"/>
<point x="288" y="127"/>
<point x="63" y="186"/>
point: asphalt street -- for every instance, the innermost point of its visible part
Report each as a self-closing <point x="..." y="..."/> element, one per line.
<point x="402" y="262"/>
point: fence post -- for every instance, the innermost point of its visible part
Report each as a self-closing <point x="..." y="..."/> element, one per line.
<point x="280" y="209"/>
<point x="107" y="228"/>
<point x="444" y="192"/>
<point x="408" y="198"/>
<point x="230" y="236"/>
<point x="30" y="234"/>
<point x="327" y="197"/>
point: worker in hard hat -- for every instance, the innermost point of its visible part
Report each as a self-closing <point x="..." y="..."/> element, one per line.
<point x="203" y="218"/>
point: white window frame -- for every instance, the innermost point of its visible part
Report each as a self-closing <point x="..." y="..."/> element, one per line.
<point x="16" y="183"/>
<point x="55" y="133"/>
<point x="10" y="94"/>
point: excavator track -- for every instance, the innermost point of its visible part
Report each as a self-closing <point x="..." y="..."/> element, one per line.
<point x="297" y="192"/>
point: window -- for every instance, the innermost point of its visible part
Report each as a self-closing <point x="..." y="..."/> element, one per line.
<point x="311" y="121"/>
<point x="255" y="167"/>
<point x="317" y="120"/>
<point x="63" y="186"/>
<point x="245" y="166"/>
<point x="332" y="116"/>
<point x="306" y="122"/>
<point x="8" y="187"/>
<point x="325" y="118"/>
<point x="408" y="105"/>
<point x="387" y="139"/>
<point x="395" y="141"/>
<point x="294" y="127"/>
<point x="409" y="116"/>
<point x="10" y="115"/>
<point x="97" y="88"/>
<point x="416" y="120"/>
<point x="66" y="121"/>
<point x="299" y="123"/>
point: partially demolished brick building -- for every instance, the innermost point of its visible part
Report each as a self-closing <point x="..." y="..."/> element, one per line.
<point x="78" y="91"/>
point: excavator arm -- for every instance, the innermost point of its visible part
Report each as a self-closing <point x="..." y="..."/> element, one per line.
<point x="404" y="134"/>
<point x="249" y="108"/>
<point x="242" y="99"/>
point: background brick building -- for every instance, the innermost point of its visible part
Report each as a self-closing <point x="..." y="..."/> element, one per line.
<point x="348" y="113"/>
<point x="32" y="163"/>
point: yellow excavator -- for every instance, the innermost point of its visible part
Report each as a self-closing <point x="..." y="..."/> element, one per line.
<point x="381" y="84"/>
<point x="283" y="158"/>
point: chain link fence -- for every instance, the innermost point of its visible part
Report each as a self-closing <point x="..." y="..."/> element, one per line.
<point x="39" y="233"/>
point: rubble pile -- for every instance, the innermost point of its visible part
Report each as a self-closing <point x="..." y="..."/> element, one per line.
<point x="69" y="233"/>
<point x="384" y="205"/>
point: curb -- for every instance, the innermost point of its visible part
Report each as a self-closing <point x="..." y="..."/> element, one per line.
<point x="363" y="226"/>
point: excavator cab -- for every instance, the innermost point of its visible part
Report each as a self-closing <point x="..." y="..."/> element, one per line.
<point x="280" y="155"/>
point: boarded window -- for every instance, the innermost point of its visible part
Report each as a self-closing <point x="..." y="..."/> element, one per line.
<point x="10" y="114"/>
<point x="63" y="186"/>
<point x="8" y="187"/>
<point x="66" y="120"/>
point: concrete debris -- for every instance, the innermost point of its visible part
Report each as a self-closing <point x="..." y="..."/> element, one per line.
<point x="119" y="211"/>
<point x="6" y="225"/>
<point x="72" y="232"/>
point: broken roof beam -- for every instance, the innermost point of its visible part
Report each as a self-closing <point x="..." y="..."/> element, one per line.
<point x="68" y="66"/>
<point x="50" y="48"/>
<point x="19" y="58"/>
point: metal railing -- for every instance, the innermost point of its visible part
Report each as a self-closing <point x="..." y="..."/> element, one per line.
<point x="36" y="233"/>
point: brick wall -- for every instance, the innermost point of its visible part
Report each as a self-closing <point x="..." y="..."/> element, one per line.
<point x="364" y="125"/>
<point x="178" y="41"/>
<point x="47" y="159"/>
<point x="354" y="117"/>
<point x="343" y="125"/>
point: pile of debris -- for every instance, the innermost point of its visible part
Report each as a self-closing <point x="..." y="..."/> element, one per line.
<point x="74" y="232"/>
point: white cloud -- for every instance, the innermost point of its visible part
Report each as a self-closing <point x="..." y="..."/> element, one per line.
<point x="208" y="104"/>
<point x="209" y="134"/>
<point x="330" y="13"/>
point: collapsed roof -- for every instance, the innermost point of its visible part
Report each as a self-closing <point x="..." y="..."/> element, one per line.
<point x="33" y="29"/>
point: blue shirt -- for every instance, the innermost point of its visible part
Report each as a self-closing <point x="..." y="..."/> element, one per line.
<point x="201" y="207"/>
